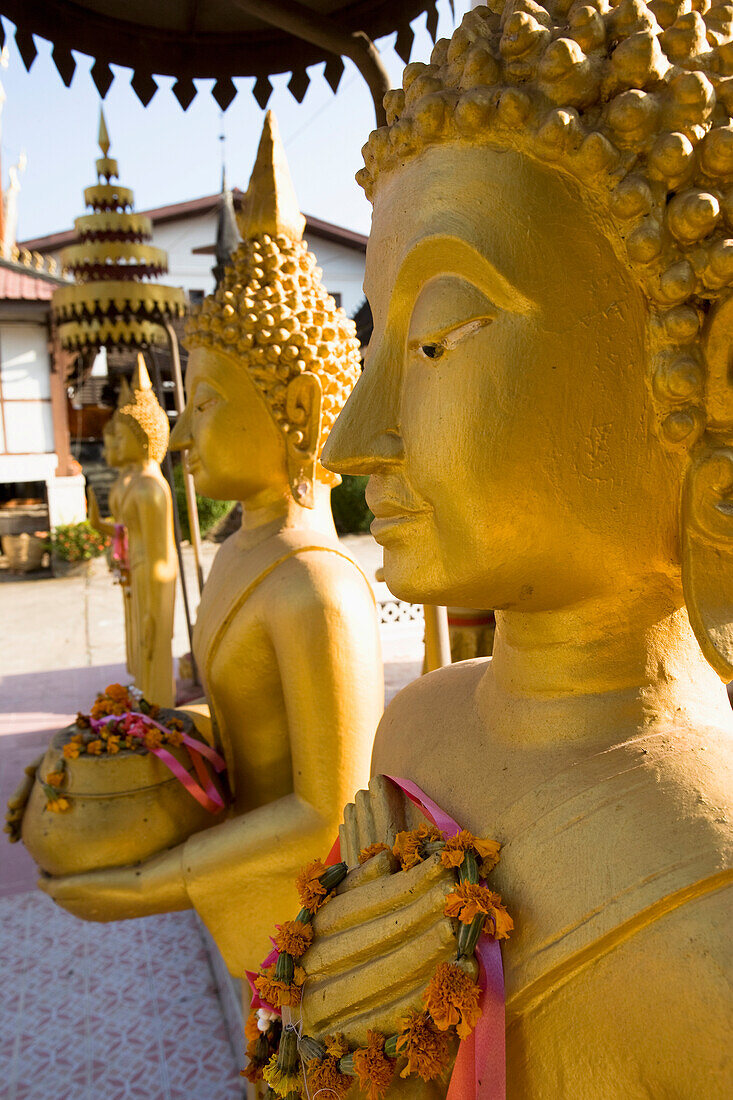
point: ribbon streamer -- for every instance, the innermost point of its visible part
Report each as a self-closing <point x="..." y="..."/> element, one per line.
<point x="205" y="791"/>
<point x="479" y="1072"/>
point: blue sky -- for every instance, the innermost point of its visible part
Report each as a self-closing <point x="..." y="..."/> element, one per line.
<point x="167" y="155"/>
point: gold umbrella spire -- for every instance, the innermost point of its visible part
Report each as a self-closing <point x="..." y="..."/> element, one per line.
<point x="270" y="205"/>
<point x="114" y="303"/>
<point x="103" y="137"/>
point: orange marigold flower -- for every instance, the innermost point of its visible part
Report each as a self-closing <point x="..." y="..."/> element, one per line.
<point x="372" y="850"/>
<point x="175" y="724"/>
<point x="336" y="1045"/>
<point x="56" y="779"/>
<point x="467" y="901"/>
<point x="94" y="748"/>
<point x="456" y="847"/>
<point x="82" y="721"/>
<point x="71" y="750"/>
<point x="312" y="892"/>
<point x="276" y="993"/>
<point x="452" y="999"/>
<point x="174" y="737"/>
<point x="501" y="921"/>
<point x="113" y="744"/>
<point x="294" y="937"/>
<point x="408" y="844"/>
<point x="77" y="739"/>
<point x="325" y="1076"/>
<point x="58" y="805"/>
<point x="252" y="1072"/>
<point x="426" y="1048"/>
<point x="374" y="1069"/>
<point x="153" y="739"/>
<point x="251" y="1030"/>
<point x="116" y="692"/>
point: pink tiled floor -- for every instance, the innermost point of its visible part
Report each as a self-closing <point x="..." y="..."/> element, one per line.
<point x="124" y="1011"/>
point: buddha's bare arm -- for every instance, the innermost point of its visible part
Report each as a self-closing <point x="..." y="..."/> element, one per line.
<point x="322" y="628"/>
<point x="257" y="854"/>
<point x="154" y="524"/>
<point x="104" y="526"/>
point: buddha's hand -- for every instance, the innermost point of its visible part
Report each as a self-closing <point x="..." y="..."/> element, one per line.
<point x="379" y="942"/>
<point x="156" y="886"/>
<point x="377" y="945"/>
<point x="18" y="802"/>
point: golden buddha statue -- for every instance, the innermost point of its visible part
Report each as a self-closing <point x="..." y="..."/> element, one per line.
<point x="546" y="416"/>
<point x="287" y="637"/>
<point x="135" y="443"/>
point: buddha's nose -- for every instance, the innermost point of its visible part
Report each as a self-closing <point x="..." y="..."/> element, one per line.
<point x="365" y="438"/>
<point x="181" y="437"/>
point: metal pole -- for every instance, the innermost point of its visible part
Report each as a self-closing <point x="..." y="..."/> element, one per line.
<point x="437" y="637"/>
<point x="179" y="400"/>
<point x="167" y="466"/>
<point x="321" y="30"/>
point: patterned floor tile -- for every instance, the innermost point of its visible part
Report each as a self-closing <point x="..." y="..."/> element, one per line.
<point x="125" y="1011"/>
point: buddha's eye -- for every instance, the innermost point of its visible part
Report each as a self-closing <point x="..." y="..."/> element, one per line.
<point x="207" y="402"/>
<point x="432" y="351"/>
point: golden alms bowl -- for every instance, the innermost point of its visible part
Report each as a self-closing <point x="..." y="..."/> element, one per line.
<point x="117" y="809"/>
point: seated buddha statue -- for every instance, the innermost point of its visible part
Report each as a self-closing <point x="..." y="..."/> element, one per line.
<point x="135" y="443"/>
<point x="286" y="638"/>
<point x="546" y="419"/>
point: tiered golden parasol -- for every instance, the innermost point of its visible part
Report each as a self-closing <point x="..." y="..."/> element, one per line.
<point x="112" y="305"/>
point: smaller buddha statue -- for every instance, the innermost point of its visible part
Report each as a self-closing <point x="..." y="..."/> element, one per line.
<point x="287" y="636"/>
<point x="135" y="442"/>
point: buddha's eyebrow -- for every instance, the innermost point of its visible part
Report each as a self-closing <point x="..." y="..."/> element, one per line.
<point x="446" y="255"/>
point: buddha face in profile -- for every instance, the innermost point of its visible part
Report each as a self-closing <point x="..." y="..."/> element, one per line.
<point x="272" y="361"/>
<point x="138" y="430"/>
<point x="548" y="271"/>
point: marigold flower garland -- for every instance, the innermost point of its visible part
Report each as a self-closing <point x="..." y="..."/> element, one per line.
<point x="124" y="731"/>
<point x="298" y="1067"/>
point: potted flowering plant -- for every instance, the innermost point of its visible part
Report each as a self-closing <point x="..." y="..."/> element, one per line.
<point x="72" y="545"/>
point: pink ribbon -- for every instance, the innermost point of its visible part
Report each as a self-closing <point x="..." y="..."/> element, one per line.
<point x="205" y="793"/>
<point x="120" y="549"/>
<point x="479" y="1072"/>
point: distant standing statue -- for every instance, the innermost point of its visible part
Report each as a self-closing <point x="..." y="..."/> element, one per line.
<point x="287" y="637"/>
<point x="135" y="441"/>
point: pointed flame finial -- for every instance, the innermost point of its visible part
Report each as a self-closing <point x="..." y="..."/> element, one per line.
<point x="124" y="397"/>
<point x="103" y="137"/>
<point x="270" y="205"/>
<point x="140" y="377"/>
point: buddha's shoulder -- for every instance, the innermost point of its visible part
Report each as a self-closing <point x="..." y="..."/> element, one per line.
<point x="429" y="710"/>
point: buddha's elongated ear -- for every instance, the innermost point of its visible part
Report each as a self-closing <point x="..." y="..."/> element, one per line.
<point x="304" y="411"/>
<point x="707" y="506"/>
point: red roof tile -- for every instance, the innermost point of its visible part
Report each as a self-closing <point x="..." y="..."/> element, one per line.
<point x="19" y="286"/>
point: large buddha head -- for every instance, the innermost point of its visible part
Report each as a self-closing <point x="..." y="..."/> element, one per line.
<point x="272" y="358"/>
<point x="545" y="410"/>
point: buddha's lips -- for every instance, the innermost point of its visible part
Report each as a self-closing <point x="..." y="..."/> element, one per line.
<point x="388" y="515"/>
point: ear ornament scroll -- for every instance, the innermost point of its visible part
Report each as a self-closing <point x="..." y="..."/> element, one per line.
<point x="707" y="507"/>
<point x="304" y="412"/>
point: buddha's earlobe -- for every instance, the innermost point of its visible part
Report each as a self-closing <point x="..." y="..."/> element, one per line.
<point x="304" y="411"/>
<point x="707" y="554"/>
